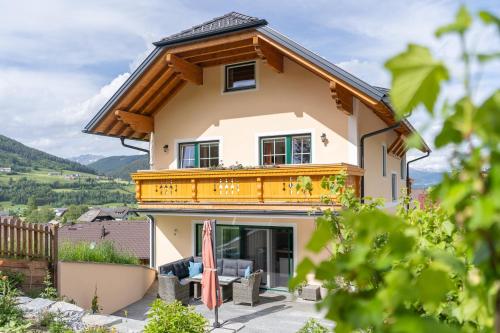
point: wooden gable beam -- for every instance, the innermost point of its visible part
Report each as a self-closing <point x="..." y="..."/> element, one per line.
<point x="398" y="148"/>
<point x="188" y="71"/>
<point x="343" y="106"/>
<point x="138" y="122"/>
<point x="268" y="54"/>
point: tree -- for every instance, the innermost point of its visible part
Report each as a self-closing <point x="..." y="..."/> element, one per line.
<point x="32" y="204"/>
<point x="75" y="211"/>
<point x="430" y="270"/>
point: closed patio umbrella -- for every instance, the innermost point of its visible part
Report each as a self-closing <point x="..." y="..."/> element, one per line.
<point x="210" y="292"/>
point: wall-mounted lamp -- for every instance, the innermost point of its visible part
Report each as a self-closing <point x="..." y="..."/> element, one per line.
<point x="165" y="148"/>
<point x="324" y="139"/>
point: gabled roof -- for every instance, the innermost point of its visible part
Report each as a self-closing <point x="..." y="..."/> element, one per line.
<point x="242" y="38"/>
<point x="230" y="22"/>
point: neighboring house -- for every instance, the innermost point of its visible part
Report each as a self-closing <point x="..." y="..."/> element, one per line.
<point x="129" y="236"/>
<point x="6" y="170"/>
<point x="234" y="92"/>
<point x="4" y="213"/>
<point x="106" y="214"/>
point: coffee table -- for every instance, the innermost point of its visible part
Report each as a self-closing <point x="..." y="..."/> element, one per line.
<point x="226" y="283"/>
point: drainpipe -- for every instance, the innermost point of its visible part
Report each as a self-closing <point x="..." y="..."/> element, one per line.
<point x="408" y="185"/>
<point x="133" y="147"/>
<point x="152" y="241"/>
<point x="362" y="152"/>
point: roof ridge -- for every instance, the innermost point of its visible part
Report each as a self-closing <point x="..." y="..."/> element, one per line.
<point x="227" y="21"/>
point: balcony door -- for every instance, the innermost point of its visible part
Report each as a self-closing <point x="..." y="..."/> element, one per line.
<point x="270" y="249"/>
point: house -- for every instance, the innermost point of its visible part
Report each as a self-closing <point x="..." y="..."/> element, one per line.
<point x="129" y="236"/>
<point x="106" y="214"/>
<point x="6" y="170"/>
<point x="234" y="112"/>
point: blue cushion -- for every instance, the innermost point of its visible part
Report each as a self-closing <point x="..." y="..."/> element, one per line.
<point x="194" y="268"/>
<point x="247" y="272"/>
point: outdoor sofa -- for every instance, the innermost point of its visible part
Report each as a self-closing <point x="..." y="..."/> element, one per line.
<point x="174" y="281"/>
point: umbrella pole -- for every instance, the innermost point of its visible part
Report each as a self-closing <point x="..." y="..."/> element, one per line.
<point x="214" y="246"/>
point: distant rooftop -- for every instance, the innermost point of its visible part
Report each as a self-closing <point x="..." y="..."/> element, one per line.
<point x="130" y="236"/>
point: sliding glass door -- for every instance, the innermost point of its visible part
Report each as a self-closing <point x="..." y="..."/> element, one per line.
<point x="270" y="249"/>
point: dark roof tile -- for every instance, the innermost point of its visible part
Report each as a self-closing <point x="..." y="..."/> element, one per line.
<point x="225" y="23"/>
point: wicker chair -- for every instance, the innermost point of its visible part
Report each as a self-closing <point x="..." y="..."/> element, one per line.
<point x="247" y="291"/>
<point x="170" y="289"/>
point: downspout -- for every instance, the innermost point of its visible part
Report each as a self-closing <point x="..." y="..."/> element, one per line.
<point x="152" y="241"/>
<point x="408" y="185"/>
<point x="362" y="153"/>
<point x="133" y="147"/>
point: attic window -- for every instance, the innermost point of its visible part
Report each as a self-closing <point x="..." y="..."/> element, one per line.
<point x="240" y="77"/>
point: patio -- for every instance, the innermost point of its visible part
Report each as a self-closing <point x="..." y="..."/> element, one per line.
<point x="276" y="312"/>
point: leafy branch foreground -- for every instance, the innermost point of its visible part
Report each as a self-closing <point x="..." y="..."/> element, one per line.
<point x="422" y="270"/>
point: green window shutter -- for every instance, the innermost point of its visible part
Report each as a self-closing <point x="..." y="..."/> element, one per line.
<point x="196" y="155"/>
<point x="288" y="149"/>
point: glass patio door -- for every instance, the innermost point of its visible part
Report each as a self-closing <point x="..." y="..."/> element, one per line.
<point x="270" y="249"/>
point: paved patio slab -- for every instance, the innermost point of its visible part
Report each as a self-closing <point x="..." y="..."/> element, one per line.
<point x="277" y="312"/>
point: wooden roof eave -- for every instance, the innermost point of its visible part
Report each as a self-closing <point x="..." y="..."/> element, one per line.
<point x="222" y="48"/>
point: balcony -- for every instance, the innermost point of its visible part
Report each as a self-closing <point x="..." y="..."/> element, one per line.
<point x="266" y="188"/>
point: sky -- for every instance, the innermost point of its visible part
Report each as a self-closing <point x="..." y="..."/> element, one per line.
<point x="61" y="60"/>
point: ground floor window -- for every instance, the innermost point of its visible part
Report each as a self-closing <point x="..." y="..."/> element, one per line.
<point x="270" y="248"/>
<point x="394" y="187"/>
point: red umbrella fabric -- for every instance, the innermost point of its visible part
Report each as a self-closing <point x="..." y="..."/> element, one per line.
<point x="209" y="279"/>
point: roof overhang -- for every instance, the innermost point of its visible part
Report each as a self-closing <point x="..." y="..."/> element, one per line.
<point x="177" y="62"/>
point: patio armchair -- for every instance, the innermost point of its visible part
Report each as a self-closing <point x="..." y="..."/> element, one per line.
<point x="171" y="289"/>
<point x="247" y="290"/>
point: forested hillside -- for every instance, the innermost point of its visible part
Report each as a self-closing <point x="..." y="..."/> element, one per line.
<point x="22" y="158"/>
<point x="120" y="166"/>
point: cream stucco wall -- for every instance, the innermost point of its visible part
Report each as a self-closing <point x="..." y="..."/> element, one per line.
<point x="376" y="185"/>
<point x="293" y="102"/>
<point x="117" y="286"/>
<point x="175" y="235"/>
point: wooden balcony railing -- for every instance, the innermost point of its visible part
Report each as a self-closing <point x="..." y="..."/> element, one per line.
<point x="259" y="187"/>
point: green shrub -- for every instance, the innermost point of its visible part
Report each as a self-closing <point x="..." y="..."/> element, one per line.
<point x="48" y="292"/>
<point x="90" y="252"/>
<point x="174" y="318"/>
<point x="313" y="326"/>
<point x="11" y="317"/>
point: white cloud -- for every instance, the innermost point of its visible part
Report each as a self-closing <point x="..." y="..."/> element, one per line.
<point x="60" y="61"/>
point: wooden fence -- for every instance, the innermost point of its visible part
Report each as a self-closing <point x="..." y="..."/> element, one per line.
<point x="28" y="241"/>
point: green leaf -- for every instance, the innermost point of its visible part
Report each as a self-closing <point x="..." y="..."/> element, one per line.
<point x="432" y="285"/>
<point x="485" y="57"/>
<point x="483" y="213"/>
<point x="305" y="267"/>
<point x="321" y="236"/>
<point x="486" y="120"/>
<point x="463" y="21"/>
<point x="416" y="79"/>
<point x="490" y="18"/>
<point x="415" y="323"/>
